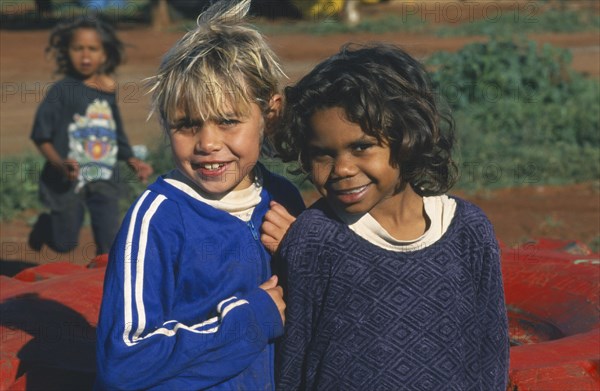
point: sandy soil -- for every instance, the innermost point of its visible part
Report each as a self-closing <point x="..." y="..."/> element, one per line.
<point x="520" y="214"/>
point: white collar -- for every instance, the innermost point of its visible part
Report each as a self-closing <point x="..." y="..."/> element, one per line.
<point x="439" y="209"/>
<point x="239" y="203"/>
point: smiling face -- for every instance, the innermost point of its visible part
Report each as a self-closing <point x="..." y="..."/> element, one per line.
<point x="86" y="52"/>
<point x="219" y="154"/>
<point x="350" y="168"/>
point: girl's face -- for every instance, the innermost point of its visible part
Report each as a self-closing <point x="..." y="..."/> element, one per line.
<point x="86" y="52"/>
<point x="218" y="155"/>
<point x="350" y="168"/>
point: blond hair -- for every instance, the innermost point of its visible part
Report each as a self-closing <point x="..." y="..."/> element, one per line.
<point x="220" y="67"/>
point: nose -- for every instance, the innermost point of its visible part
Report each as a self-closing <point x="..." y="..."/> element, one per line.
<point x="208" y="140"/>
<point x="343" y="167"/>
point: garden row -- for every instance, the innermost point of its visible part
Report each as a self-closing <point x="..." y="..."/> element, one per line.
<point x="523" y="117"/>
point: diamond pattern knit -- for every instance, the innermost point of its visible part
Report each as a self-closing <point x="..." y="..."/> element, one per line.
<point x="363" y="318"/>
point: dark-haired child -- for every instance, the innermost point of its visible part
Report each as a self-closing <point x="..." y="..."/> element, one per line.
<point x="391" y="284"/>
<point x="78" y="129"/>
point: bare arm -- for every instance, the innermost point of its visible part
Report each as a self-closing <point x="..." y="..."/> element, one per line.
<point x="142" y="169"/>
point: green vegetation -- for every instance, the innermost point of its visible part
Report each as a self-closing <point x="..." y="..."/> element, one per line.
<point x="19" y="183"/>
<point x="391" y="23"/>
<point x="525" y="21"/>
<point x="594" y="244"/>
<point x="522" y="115"/>
<point x="286" y="170"/>
<point x="532" y="17"/>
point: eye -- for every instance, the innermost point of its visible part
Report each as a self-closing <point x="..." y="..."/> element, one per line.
<point x="186" y="130"/>
<point x="361" y="147"/>
<point x="185" y="126"/>
<point x="227" y="122"/>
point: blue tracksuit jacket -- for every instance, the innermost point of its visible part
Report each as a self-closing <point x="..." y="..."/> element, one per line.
<point x="181" y="308"/>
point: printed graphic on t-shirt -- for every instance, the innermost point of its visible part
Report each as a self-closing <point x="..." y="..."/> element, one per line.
<point x="93" y="142"/>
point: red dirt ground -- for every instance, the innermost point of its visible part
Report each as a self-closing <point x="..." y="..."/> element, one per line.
<point x="518" y="214"/>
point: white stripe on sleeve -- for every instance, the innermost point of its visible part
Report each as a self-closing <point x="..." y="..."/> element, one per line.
<point x="141" y="258"/>
<point x="169" y="328"/>
<point x="127" y="270"/>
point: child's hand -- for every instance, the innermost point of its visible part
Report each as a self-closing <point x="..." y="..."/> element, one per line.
<point x="276" y="223"/>
<point x="276" y="292"/>
<point x="142" y="169"/>
<point x="70" y="169"/>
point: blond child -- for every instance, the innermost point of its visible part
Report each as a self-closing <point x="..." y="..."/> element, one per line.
<point x="189" y="298"/>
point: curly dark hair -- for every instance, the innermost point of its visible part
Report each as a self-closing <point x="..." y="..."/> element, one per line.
<point x="60" y="39"/>
<point x="388" y="93"/>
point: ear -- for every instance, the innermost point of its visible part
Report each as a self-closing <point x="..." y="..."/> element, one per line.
<point x="274" y="112"/>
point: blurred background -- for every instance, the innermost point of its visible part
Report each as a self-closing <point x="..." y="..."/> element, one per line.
<point x="521" y="78"/>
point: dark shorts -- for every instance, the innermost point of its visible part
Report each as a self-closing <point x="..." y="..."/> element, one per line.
<point x="67" y="210"/>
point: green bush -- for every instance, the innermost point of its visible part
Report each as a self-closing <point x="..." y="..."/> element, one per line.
<point x="391" y="23"/>
<point x="288" y="170"/>
<point x="522" y="115"/>
<point x="20" y="176"/>
<point x="526" y="20"/>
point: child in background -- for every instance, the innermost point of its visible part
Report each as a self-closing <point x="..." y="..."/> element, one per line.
<point x="78" y="130"/>
<point x="189" y="299"/>
<point x="390" y="283"/>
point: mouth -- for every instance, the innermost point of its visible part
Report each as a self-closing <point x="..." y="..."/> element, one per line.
<point x="211" y="166"/>
<point x="352" y="195"/>
<point x="211" y="169"/>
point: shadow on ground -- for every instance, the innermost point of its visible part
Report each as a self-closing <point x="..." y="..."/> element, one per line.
<point x="10" y="268"/>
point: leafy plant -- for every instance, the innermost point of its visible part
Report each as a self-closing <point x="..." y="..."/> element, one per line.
<point x="523" y="116"/>
<point x="19" y="182"/>
<point x="286" y="170"/>
<point x="594" y="244"/>
<point x="327" y="26"/>
<point x="526" y="20"/>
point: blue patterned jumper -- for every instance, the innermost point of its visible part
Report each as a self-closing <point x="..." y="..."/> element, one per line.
<point x="363" y="318"/>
